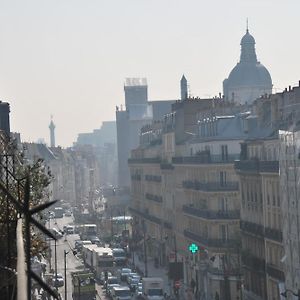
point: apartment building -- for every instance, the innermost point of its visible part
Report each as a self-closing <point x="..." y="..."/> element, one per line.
<point x="261" y="219"/>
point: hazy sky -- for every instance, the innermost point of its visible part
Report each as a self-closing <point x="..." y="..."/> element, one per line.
<point x="69" y="58"/>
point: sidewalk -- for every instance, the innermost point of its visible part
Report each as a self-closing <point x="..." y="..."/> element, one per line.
<point x="152" y="271"/>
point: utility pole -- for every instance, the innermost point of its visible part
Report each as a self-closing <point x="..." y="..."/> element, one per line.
<point x="55" y="263"/>
<point x="65" y="261"/>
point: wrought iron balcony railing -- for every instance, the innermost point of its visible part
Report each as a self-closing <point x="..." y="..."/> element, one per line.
<point x="211" y="186"/>
<point x="275" y="272"/>
<point x="205" y="158"/>
<point x="154" y="197"/>
<point x="154" y="178"/>
<point x="211" y="214"/>
<point x="253" y="228"/>
<point x="273" y="234"/>
<point x="217" y="243"/>
<point x="145" y="160"/>
<point x="257" y="166"/>
<point x="253" y="262"/>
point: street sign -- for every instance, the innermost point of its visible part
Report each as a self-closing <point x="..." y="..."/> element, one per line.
<point x="193" y="248"/>
<point x="177" y="284"/>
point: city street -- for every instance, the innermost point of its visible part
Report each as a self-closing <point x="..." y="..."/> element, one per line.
<point x="73" y="262"/>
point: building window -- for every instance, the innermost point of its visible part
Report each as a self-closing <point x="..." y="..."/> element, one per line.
<point x="223" y="178"/>
<point x="224" y="152"/>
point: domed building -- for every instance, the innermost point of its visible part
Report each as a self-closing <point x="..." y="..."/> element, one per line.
<point x="249" y="79"/>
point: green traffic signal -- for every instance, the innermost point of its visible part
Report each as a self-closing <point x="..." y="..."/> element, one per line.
<point x="193" y="248"/>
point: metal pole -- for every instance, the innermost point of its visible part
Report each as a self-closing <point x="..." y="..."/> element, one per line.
<point x="175" y="247"/>
<point x="79" y="285"/>
<point x="50" y="251"/>
<point x="55" y="263"/>
<point x="65" y="261"/>
<point x="28" y="245"/>
<point x="145" y="251"/>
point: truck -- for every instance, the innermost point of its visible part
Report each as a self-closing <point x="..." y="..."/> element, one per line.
<point x="83" y="283"/>
<point x="153" y="288"/>
<point x="103" y="261"/>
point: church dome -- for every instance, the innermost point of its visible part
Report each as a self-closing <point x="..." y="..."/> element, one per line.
<point x="247" y="38"/>
<point x="248" y="74"/>
<point x="249" y="79"/>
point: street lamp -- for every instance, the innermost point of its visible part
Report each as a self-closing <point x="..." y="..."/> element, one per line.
<point x="65" y="264"/>
<point x="145" y="249"/>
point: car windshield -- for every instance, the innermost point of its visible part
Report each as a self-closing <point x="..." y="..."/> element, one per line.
<point x="126" y="271"/>
<point x="112" y="281"/>
<point x="122" y="293"/>
<point x="155" y="292"/>
<point x="119" y="254"/>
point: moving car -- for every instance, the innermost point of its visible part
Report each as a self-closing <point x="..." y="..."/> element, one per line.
<point x="102" y="277"/>
<point x="121" y="293"/>
<point x="124" y="272"/>
<point x="139" y="291"/>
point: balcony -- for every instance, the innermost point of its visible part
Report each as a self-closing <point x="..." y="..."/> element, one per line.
<point x="146" y="216"/>
<point x="211" y="186"/>
<point x="166" y="166"/>
<point x="152" y="197"/>
<point x="154" y="178"/>
<point x="217" y="243"/>
<point x="210" y="214"/>
<point x="136" y="177"/>
<point x="275" y="273"/>
<point x="254" y="263"/>
<point x="257" y="166"/>
<point x="273" y="234"/>
<point x="148" y="160"/>
<point x="253" y="228"/>
<point x="205" y="158"/>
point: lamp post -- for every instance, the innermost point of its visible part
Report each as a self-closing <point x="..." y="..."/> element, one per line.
<point x="55" y="262"/>
<point x="65" y="264"/>
<point x="145" y="249"/>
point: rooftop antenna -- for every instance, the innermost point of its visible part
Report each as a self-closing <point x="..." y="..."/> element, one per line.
<point x="247" y="25"/>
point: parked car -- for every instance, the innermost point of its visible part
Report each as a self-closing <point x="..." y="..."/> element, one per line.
<point x="69" y="229"/>
<point x="56" y="233"/>
<point x="68" y="213"/>
<point x="59" y="282"/>
<point x="78" y="244"/>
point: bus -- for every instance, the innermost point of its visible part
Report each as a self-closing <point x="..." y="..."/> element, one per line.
<point x="103" y="261"/>
<point x="88" y="231"/>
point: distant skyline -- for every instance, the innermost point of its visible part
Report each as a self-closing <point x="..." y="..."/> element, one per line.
<point x="70" y="58"/>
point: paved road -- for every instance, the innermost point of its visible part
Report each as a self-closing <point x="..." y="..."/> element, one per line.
<point x="73" y="263"/>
